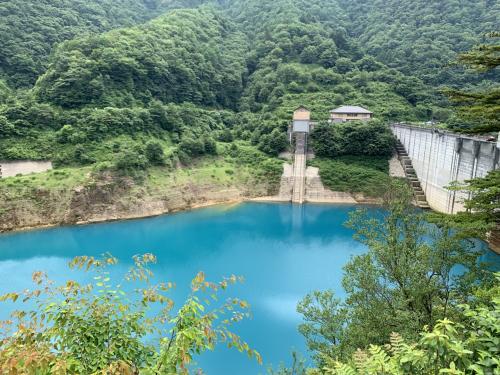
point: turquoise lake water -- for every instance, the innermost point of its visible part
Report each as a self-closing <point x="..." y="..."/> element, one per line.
<point x="283" y="252"/>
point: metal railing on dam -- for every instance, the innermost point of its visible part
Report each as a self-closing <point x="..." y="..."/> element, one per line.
<point x="441" y="157"/>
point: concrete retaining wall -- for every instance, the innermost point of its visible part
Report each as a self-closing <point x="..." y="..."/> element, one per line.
<point x="440" y="158"/>
<point x="13" y="168"/>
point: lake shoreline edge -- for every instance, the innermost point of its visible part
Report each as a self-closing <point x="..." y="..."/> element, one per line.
<point x="187" y="208"/>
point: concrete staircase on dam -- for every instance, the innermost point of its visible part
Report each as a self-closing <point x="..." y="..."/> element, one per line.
<point x="411" y="176"/>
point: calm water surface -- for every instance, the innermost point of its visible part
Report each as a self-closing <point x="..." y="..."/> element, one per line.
<point x="283" y="252"/>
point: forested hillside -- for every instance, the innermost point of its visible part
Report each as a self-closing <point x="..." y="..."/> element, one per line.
<point x="420" y="37"/>
<point x="77" y="74"/>
<point x="31" y="28"/>
<point x="302" y="54"/>
<point x="185" y="56"/>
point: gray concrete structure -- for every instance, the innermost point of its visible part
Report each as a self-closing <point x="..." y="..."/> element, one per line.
<point x="299" y="168"/>
<point x="440" y="158"/>
<point x="23" y="167"/>
<point x="301" y="126"/>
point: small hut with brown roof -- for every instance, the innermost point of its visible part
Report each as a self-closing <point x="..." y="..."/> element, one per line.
<point x="301" y="120"/>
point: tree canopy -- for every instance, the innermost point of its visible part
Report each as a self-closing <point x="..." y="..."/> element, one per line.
<point x="31" y="29"/>
<point x="186" y="56"/>
<point x="480" y="106"/>
<point x="404" y="283"/>
<point x="75" y="73"/>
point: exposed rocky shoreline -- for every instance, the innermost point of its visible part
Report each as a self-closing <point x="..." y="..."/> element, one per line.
<point x="109" y="199"/>
<point x="106" y="197"/>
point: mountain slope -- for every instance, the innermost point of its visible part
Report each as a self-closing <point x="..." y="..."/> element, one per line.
<point x="185" y="56"/>
<point x="230" y="69"/>
<point x="301" y="54"/>
<point x="31" y="28"/>
<point x="420" y="37"/>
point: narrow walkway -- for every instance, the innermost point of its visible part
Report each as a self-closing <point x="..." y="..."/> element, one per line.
<point x="299" y="169"/>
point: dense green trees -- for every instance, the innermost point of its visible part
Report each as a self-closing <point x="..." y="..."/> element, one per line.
<point x="407" y="280"/>
<point x="418" y="37"/>
<point x="274" y="142"/>
<point x="228" y="70"/>
<point x="371" y="138"/>
<point x="480" y="107"/>
<point x="31" y="28"/>
<point x="57" y="131"/>
<point x="303" y="55"/>
<point x="184" y="56"/>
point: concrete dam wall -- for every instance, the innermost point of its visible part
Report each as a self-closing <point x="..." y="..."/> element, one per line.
<point x="441" y="157"/>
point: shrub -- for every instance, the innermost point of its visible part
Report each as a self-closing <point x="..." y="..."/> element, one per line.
<point x="210" y="146"/>
<point x="154" y="153"/>
<point x="367" y="174"/>
<point x="371" y="138"/>
<point x="64" y="134"/>
<point x="273" y="143"/>
<point x="469" y="346"/>
<point x="130" y="159"/>
<point x="6" y="128"/>
<point x="63" y="158"/>
<point x="226" y="136"/>
<point x="102" y="327"/>
<point x="192" y="147"/>
<point x="81" y="156"/>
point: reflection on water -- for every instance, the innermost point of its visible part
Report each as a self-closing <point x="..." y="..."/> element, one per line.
<point x="284" y="251"/>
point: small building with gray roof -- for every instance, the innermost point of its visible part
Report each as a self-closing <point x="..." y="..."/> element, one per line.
<point x="350" y="113"/>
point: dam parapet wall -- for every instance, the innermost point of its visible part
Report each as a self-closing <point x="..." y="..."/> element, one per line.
<point x="441" y="157"/>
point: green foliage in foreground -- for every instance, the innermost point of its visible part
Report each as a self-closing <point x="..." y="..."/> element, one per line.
<point x="404" y="283"/>
<point x="466" y="347"/>
<point x="354" y="174"/>
<point x="485" y="200"/>
<point x="97" y="328"/>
